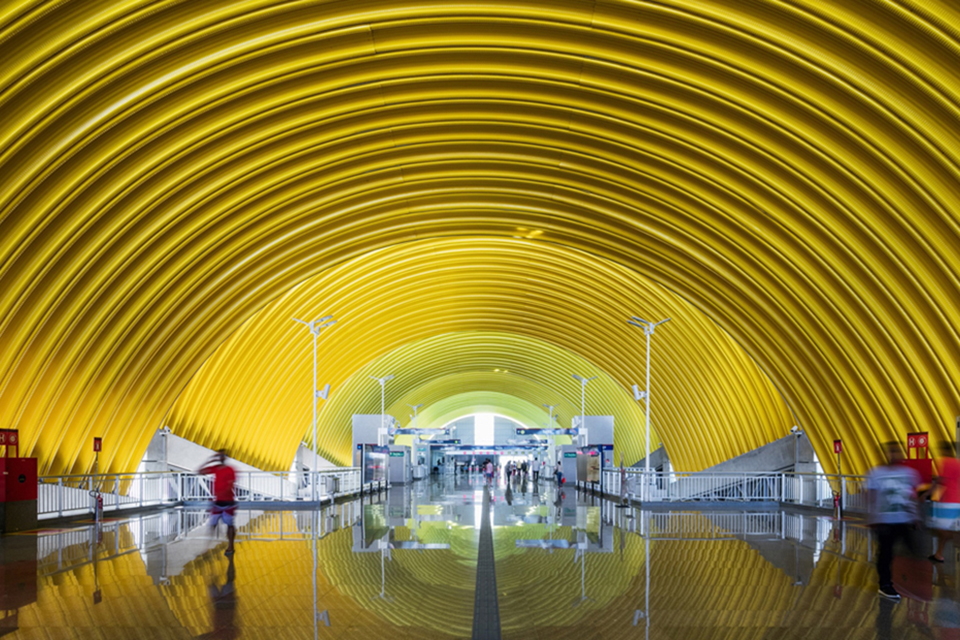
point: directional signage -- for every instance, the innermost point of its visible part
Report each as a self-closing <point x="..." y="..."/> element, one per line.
<point x="548" y="432"/>
<point x="396" y="454"/>
<point x="418" y="432"/>
<point x="517" y="450"/>
<point x="496" y="448"/>
<point x="457" y="441"/>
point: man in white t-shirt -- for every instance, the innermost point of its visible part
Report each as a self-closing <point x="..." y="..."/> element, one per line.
<point x="894" y="511"/>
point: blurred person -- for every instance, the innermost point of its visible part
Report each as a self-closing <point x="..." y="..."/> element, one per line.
<point x="894" y="512"/>
<point x="224" y="501"/>
<point x="536" y="470"/>
<point x="944" y="518"/>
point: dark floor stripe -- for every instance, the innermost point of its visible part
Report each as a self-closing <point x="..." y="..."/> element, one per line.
<point x="486" y="611"/>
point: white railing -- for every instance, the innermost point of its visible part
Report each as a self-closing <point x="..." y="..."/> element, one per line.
<point x="60" y="496"/>
<point x="808" y="489"/>
<point x="64" y="496"/>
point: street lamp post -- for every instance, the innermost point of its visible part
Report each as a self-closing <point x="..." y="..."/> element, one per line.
<point x="416" y="436"/>
<point x="648" y="329"/>
<point x="583" y="406"/>
<point x="383" y="412"/>
<point x="315" y="326"/>
<point x="415" y="407"/>
<point x="552" y="452"/>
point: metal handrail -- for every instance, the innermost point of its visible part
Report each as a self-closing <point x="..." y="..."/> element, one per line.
<point x="77" y="494"/>
<point x="806" y="488"/>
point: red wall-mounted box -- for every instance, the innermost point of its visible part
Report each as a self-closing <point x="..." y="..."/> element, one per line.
<point x="18" y="479"/>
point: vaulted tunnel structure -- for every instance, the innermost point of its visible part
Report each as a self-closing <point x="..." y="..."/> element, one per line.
<point x="481" y="194"/>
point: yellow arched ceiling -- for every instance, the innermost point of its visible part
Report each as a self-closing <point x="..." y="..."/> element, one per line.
<point x="506" y="404"/>
<point x="788" y="170"/>
<point x="509" y="318"/>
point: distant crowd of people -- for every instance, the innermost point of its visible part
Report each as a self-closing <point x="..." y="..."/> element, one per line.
<point x="534" y="470"/>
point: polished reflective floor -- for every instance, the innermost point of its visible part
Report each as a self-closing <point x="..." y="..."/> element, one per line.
<point x="404" y="565"/>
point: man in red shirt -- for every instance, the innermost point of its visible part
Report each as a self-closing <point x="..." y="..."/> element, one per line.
<point x="945" y="512"/>
<point x="224" y="501"/>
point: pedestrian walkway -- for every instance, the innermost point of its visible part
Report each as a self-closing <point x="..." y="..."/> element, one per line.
<point x="448" y="559"/>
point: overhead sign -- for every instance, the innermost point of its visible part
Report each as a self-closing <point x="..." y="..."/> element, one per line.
<point x="468" y="450"/>
<point x="479" y="448"/>
<point x="457" y="441"/>
<point x="418" y="432"/>
<point x="569" y="454"/>
<point x="548" y="432"/>
<point x="838" y="446"/>
<point x="397" y="454"/>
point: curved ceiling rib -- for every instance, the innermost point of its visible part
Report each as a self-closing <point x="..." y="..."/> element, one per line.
<point x="170" y="168"/>
<point x="512" y="317"/>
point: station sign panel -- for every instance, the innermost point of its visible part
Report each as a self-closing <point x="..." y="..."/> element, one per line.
<point x="548" y="432"/>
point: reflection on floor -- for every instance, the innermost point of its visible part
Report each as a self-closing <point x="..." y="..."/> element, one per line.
<point x="403" y="565"/>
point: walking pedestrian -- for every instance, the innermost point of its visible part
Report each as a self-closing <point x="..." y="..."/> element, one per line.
<point x="893" y="511"/>
<point x="225" y="503"/>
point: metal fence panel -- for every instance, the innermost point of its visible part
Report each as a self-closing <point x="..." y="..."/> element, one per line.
<point x="59" y="496"/>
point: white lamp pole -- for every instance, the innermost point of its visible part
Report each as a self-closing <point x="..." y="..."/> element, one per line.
<point x="383" y="412"/>
<point x="648" y="328"/>
<point x="552" y="450"/>
<point x="415" y="407"/>
<point x="550" y="416"/>
<point x="416" y="436"/>
<point x="315" y="327"/>
<point x="583" y="406"/>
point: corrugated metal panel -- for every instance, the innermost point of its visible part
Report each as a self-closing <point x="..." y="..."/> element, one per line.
<point x="783" y="172"/>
